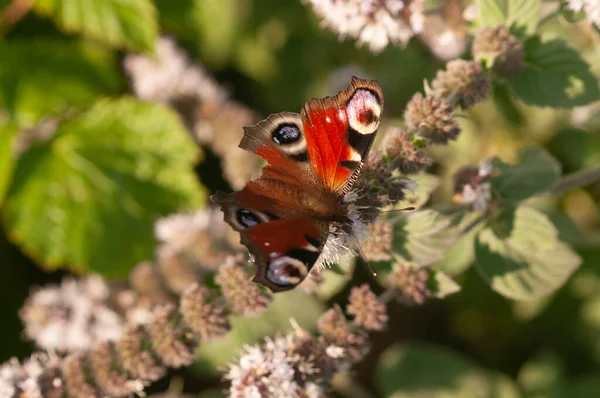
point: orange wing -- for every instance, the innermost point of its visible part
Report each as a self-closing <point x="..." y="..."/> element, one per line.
<point x="340" y="130"/>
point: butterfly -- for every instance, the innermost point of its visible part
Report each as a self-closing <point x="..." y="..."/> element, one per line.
<point x="286" y="216"/>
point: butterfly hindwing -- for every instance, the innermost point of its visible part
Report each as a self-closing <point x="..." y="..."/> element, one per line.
<point x="285" y="249"/>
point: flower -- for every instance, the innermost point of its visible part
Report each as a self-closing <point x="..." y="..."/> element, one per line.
<point x="23" y="380"/>
<point x="369" y="313"/>
<point x="200" y="237"/>
<point x="243" y="295"/>
<point x="471" y="186"/>
<point x="169" y="76"/>
<point x="375" y="23"/>
<point x="403" y="153"/>
<point x="432" y="117"/>
<point x="276" y="369"/>
<point x="378" y="245"/>
<point x="72" y="316"/>
<point x="409" y="283"/>
<point x="464" y="83"/>
<point x="203" y="313"/>
<point x="336" y="330"/>
<point x="504" y="50"/>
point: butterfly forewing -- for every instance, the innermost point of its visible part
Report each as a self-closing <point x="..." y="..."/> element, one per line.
<point x="340" y="131"/>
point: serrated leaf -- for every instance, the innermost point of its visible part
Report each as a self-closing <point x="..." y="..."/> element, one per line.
<point x="441" y="285"/>
<point x="87" y="199"/>
<point x="534" y="173"/>
<point x="425" y="184"/>
<point x="7" y="161"/>
<point x="45" y="77"/>
<point x="555" y="75"/>
<point x="519" y="13"/>
<point x="424" y="237"/>
<point x="530" y="263"/>
<point x="428" y="371"/>
<point x="131" y="24"/>
<point x="461" y="254"/>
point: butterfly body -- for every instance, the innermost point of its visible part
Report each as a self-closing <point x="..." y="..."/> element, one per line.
<point x="286" y="216"/>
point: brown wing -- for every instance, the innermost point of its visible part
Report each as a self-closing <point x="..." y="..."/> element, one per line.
<point x="285" y="248"/>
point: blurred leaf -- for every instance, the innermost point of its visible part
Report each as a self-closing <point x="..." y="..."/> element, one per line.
<point x="219" y="23"/>
<point x="44" y="77"/>
<point x="525" y="311"/>
<point x="462" y="253"/>
<point x="576" y="148"/>
<point x="131" y="24"/>
<point x="520" y="13"/>
<point x="427" y="371"/>
<point x="251" y="330"/>
<point x="441" y="285"/>
<point x="178" y="17"/>
<point x="7" y="161"/>
<point x="87" y="199"/>
<point x="535" y="172"/>
<point x="424" y="237"/>
<point x="555" y="75"/>
<point x="257" y="60"/>
<point x="425" y="185"/>
<point x="530" y="263"/>
<point x="506" y="105"/>
<point x="540" y="375"/>
<point x="582" y="387"/>
<point x="214" y="393"/>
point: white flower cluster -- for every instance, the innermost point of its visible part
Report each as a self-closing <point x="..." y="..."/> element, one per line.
<point x="22" y="379"/>
<point x="479" y="194"/>
<point x="170" y="75"/>
<point x="271" y="370"/>
<point x="72" y="316"/>
<point x="375" y="23"/>
<point x="591" y="8"/>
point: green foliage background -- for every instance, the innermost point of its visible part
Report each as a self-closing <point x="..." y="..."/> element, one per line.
<point x="86" y="199"/>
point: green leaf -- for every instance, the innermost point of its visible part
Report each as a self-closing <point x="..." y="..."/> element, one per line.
<point x="427" y="371"/>
<point x="7" y="161"/>
<point x="534" y="173"/>
<point x="582" y="387"/>
<point x="530" y="263"/>
<point x="425" y="185"/>
<point x="555" y="75"/>
<point x="462" y="253"/>
<point x="219" y="23"/>
<point x="519" y="13"/>
<point x="177" y="17"/>
<point x="424" y="237"/>
<point x="45" y="77"/>
<point x="441" y="285"/>
<point x="131" y="24"/>
<point x="541" y="375"/>
<point x="88" y="198"/>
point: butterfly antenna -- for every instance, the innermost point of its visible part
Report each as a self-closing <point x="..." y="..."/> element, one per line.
<point x="393" y="210"/>
<point x="362" y="254"/>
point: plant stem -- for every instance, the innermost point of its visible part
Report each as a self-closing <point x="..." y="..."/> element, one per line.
<point x="575" y="180"/>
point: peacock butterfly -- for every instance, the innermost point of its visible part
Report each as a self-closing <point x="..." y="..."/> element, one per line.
<point x="287" y="216"/>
